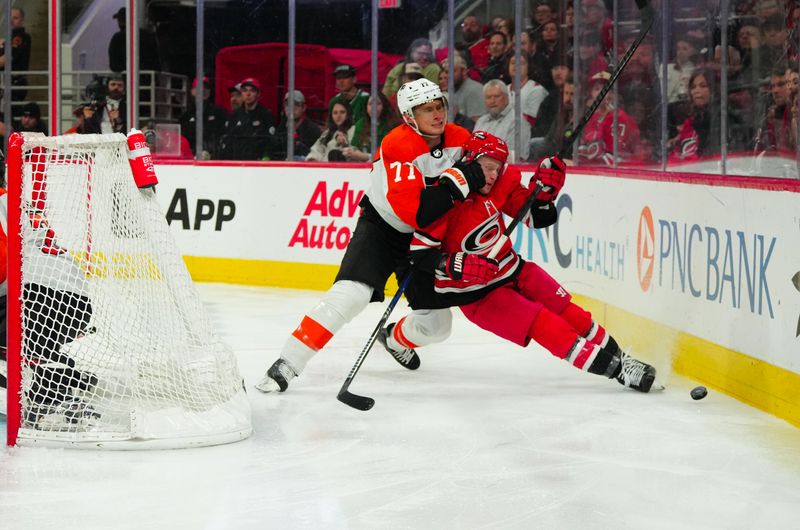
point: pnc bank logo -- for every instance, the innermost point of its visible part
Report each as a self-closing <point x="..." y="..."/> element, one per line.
<point x="645" y="249"/>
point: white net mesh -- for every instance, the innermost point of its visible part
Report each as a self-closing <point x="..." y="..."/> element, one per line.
<point x="116" y="345"/>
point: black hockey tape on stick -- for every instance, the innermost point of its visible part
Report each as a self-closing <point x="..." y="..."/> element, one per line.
<point x="647" y="14"/>
<point x="364" y="402"/>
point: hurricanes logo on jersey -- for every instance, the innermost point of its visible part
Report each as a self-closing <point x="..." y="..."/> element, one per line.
<point x="483" y="236"/>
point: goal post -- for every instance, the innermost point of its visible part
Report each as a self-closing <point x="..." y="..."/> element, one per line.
<point x="109" y="345"/>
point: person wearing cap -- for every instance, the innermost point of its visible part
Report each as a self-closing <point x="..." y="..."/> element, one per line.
<point x="411" y="71"/>
<point x="250" y="128"/>
<point x="213" y="121"/>
<point x="235" y="96"/>
<point x="345" y="76"/>
<point x="31" y="119"/>
<point x="421" y="52"/>
<point x="149" y="58"/>
<point x="468" y="95"/>
<point x="596" y="145"/>
<point x="20" y="52"/>
<point x="306" y="132"/>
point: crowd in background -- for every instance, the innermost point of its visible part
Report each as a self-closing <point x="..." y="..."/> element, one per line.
<point x="630" y="127"/>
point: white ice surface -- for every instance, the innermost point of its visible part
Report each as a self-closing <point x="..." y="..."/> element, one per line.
<point x="485" y="435"/>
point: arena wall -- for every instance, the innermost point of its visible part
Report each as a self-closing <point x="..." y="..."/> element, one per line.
<point x="695" y="272"/>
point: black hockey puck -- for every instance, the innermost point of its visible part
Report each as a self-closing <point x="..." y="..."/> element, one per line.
<point x="698" y="392"/>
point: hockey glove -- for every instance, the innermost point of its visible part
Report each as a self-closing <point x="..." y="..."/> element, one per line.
<point x="463" y="178"/>
<point x="470" y="268"/>
<point x="551" y="175"/>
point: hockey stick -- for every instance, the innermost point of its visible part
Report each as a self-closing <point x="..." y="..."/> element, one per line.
<point x="648" y="17"/>
<point x="364" y="402"/>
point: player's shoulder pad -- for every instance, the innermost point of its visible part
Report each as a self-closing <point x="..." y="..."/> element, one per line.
<point x="402" y="143"/>
<point x="455" y="135"/>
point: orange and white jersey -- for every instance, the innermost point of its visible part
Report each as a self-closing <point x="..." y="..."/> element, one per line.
<point x="403" y="166"/>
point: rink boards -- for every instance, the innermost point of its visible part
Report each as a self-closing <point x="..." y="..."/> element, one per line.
<point x="696" y="271"/>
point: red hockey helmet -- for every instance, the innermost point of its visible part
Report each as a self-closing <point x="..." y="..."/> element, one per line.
<point x="482" y="143"/>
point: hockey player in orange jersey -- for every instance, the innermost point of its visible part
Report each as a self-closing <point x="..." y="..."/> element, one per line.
<point x="417" y="175"/>
<point x="513" y="298"/>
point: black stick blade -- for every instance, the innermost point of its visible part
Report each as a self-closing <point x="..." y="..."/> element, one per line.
<point x="355" y="401"/>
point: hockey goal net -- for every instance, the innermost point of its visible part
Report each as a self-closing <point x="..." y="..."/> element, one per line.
<point x="109" y="344"/>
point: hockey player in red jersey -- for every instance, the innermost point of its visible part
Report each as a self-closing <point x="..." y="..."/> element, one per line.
<point x="513" y="298"/>
<point x="417" y="175"/>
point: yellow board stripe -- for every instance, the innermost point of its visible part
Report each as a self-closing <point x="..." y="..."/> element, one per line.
<point x="753" y="381"/>
<point x="267" y="273"/>
<point x="762" y="385"/>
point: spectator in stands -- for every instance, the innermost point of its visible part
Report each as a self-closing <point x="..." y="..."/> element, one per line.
<point x="543" y="13"/>
<point x="679" y="72"/>
<point x="590" y="53"/>
<point x="411" y="71"/>
<point x="498" y="44"/>
<point x="499" y="119"/>
<point x="776" y="50"/>
<point x="459" y="118"/>
<point x="2" y="140"/>
<point x="551" y="106"/>
<point x="698" y="135"/>
<point x="548" y="53"/>
<point x="506" y="27"/>
<point x="31" y="119"/>
<point x="306" y="132"/>
<point x="111" y="113"/>
<point x="596" y="146"/>
<point x="749" y="40"/>
<point x="640" y="92"/>
<point x="149" y="58"/>
<point x="775" y="125"/>
<point x="532" y="94"/>
<point x="337" y="135"/>
<point x="20" y="53"/>
<point x="235" y="95"/>
<point x="388" y="119"/>
<point x="421" y="52"/>
<point x="349" y="93"/>
<point x="213" y="122"/>
<point x="475" y="44"/>
<point x="250" y="128"/>
<point x="79" y="127"/>
<point x="595" y="19"/>
<point x="547" y="144"/>
<point x="468" y="95"/>
<point x="741" y="95"/>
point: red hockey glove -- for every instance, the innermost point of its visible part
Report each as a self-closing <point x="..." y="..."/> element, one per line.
<point x="471" y="268"/>
<point x="551" y="175"/>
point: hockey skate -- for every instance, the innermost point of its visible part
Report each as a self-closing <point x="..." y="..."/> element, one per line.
<point x="407" y="357"/>
<point x="635" y="374"/>
<point x="277" y="377"/>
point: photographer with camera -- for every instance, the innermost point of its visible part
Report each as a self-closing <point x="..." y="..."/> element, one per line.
<point x="105" y="110"/>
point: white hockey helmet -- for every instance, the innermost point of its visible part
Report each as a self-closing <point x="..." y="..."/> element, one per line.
<point x="415" y="93"/>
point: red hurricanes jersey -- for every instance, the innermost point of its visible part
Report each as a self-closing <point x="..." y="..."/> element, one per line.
<point x="403" y="166"/>
<point x="473" y="227"/>
<point x="597" y="143"/>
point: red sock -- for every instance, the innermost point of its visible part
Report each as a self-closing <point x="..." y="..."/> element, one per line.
<point x="581" y="320"/>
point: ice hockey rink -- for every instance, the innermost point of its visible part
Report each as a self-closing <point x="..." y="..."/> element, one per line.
<point x="485" y="435"/>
